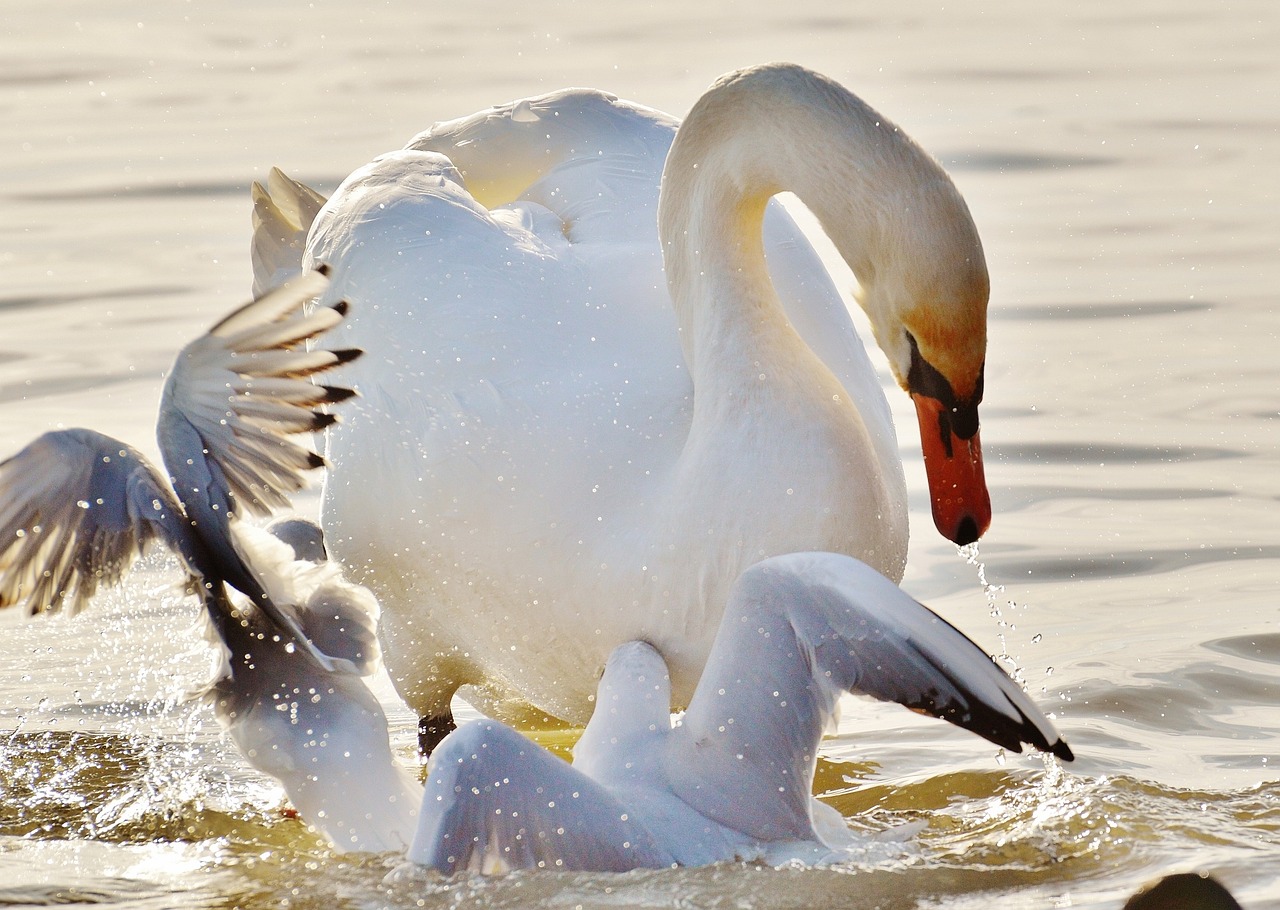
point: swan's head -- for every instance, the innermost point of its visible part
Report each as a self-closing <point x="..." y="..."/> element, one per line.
<point x="927" y="301"/>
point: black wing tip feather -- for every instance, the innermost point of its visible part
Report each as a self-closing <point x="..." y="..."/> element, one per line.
<point x="324" y="269"/>
<point x="988" y="722"/>
<point x="994" y="725"/>
<point x="342" y="307"/>
<point x="346" y="355"/>
<point x="335" y="394"/>
<point x="320" y="420"/>
<point x="1011" y="734"/>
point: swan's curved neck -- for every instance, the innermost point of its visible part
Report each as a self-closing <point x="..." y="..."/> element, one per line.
<point x="889" y="208"/>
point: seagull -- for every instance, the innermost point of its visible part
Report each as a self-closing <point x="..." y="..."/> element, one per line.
<point x="732" y="778"/>
<point x="77" y="508"/>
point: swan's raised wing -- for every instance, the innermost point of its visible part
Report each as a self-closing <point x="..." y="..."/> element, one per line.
<point x="590" y="157"/>
<point x="496" y="801"/>
<point x="799" y="631"/>
<point x="77" y="509"/>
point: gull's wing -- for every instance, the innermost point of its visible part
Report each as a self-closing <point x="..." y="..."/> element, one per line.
<point x="496" y="801"/>
<point x="77" y="509"/>
<point x="238" y="391"/>
<point x="799" y="631"/>
<point x="234" y="397"/>
<point x="283" y="211"/>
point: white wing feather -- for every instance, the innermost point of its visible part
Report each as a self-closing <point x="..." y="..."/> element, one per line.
<point x="496" y="801"/>
<point x="242" y="387"/>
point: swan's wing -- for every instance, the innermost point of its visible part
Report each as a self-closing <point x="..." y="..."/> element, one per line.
<point x="283" y="210"/>
<point x="77" y="508"/>
<point x="799" y="631"/>
<point x="581" y="153"/>
<point x="495" y="801"/>
<point x="596" y="161"/>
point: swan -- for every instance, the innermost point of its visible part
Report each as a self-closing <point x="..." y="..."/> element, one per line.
<point x="575" y="430"/>
<point x="78" y="507"/>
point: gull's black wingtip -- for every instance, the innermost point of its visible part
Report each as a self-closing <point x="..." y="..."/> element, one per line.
<point x="1062" y="750"/>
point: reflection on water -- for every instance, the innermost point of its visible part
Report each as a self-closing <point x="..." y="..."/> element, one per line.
<point x="1115" y="159"/>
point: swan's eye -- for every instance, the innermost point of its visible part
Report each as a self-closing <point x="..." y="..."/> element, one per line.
<point x="924" y="379"/>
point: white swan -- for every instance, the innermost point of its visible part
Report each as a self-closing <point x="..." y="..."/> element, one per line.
<point x="78" y="507"/>
<point x="548" y="457"/>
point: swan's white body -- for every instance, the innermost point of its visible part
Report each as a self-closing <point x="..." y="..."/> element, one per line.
<point x="548" y="458"/>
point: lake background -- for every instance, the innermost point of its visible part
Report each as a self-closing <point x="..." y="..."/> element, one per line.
<point x="1120" y="161"/>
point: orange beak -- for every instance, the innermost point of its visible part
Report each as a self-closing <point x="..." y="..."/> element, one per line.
<point x="957" y="486"/>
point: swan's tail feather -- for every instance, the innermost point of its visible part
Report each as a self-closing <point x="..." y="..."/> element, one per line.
<point x="283" y="212"/>
<point x="77" y="509"/>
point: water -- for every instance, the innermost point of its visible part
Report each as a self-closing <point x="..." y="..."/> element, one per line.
<point x="1119" y="160"/>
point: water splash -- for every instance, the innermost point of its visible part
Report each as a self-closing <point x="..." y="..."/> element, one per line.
<point x="993" y="593"/>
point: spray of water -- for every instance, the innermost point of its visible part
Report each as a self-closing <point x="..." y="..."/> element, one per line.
<point x="994" y="594"/>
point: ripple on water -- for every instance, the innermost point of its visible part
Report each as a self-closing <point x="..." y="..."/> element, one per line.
<point x="1262" y="647"/>
<point x="1092" y="312"/>
<point x="1094" y="453"/>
